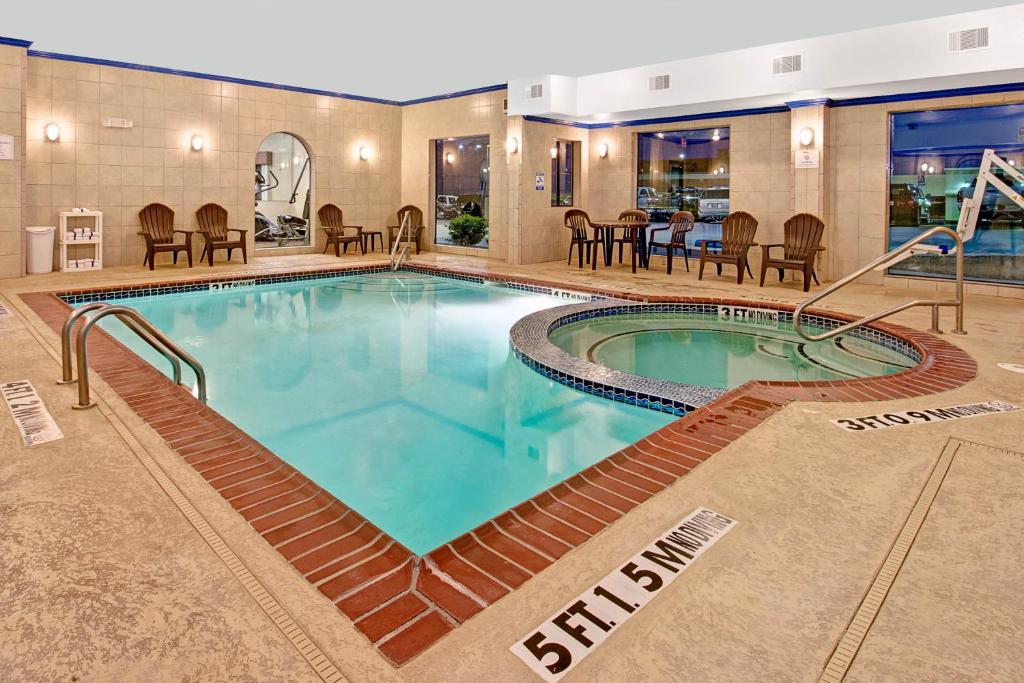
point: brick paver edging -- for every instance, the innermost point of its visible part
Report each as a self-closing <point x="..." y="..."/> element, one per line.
<point x="404" y="603"/>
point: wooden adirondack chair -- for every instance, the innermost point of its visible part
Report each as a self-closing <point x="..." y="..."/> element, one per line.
<point x="679" y="224"/>
<point x="213" y="226"/>
<point x="578" y="222"/>
<point x="738" y="230"/>
<point x="801" y="241"/>
<point x="158" y="229"/>
<point x="415" y="228"/>
<point x="332" y="220"/>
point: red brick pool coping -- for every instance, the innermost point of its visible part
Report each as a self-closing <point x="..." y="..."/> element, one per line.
<point x="403" y="603"/>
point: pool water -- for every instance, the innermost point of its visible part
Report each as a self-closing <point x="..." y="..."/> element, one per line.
<point x="695" y="349"/>
<point x="397" y="394"/>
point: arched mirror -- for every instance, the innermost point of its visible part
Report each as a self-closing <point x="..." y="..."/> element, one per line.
<point x="284" y="171"/>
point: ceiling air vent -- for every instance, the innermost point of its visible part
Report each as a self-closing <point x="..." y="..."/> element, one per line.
<point x="662" y="82"/>
<point x="536" y="91"/>
<point x="968" y="39"/>
<point x="787" y="64"/>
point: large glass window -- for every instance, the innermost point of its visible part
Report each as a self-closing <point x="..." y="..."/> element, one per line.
<point x="933" y="165"/>
<point x="562" y="160"/>
<point x="685" y="170"/>
<point x="461" y="182"/>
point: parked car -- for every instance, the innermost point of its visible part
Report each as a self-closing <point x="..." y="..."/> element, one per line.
<point x="659" y="206"/>
<point x="714" y="203"/>
<point x="688" y="199"/>
<point x="447" y="206"/>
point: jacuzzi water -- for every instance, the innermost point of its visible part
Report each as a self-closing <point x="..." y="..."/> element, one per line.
<point x="398" y="395"/>
<point x="691" y="348"/>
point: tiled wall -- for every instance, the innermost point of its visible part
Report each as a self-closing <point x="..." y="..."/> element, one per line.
<point x="12" y="90"/>
<point x="542" y="235"/>
<point x="479" y="114"/>
<point x="121" y="170"/>
<point x="760" y="165"/>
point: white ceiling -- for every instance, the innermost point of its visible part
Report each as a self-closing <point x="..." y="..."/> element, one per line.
<point x="405" y="50"/>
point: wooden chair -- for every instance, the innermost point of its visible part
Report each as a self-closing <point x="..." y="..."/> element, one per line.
<point x="801" y="241"/>
<point x="332" y="220"/>
<point x="415" y="228"/>
<point x="631" y="236"/>
<point x="578" y="222"/>
<point x="213" y="226"/>
<point x="158" y="229"/>
<point x="738" y="230"/>
<point x="679" y="224"/>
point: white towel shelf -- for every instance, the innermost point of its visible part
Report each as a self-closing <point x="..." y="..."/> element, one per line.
<point x="70" y="249"/>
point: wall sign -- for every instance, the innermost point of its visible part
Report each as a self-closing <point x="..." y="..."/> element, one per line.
<point x="807" y="158"/>
<point x="231" y="284"/>
<point x="539" y="181"/>
<point x="6" y="147"/>
<point x="34" y="422"/>
<point x="572" y="633"/>
<point x="746" y="314"/>
<point x="913" y="417"/>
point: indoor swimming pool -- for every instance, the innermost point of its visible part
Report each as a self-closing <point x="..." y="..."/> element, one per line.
<point x="398" y="394"/>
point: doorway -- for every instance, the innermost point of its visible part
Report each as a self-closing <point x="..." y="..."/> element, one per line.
<point x="284" y="171"/>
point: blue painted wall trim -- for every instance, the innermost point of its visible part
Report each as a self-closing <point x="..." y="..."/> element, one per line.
<point x="929" y="94"/>
<point x="662" y="120"/>
<point x="817" y="102"/>
<point x="247" y="81"/>
<point x="458" y="93"/>
<point x="16" y="42"/>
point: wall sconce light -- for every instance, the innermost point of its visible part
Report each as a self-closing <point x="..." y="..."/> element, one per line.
<point x="450" y="158"/>
<point x="924" y="167"/>
<point x="197" y="143"/>
<point x="1012" y="162"/>
<point x="715" y="172"/>
<point x="931" y="169"/>
<point x="807" y="136"/>
<point x="364" y="153"/>
<point x="602" y="150"/>
<point x="512" y="145"/>
<point x="52" y="131"/>
<point x="554" y="151"/>
<point x="716" y="136"/>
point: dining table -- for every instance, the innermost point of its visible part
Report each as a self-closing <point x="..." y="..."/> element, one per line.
<point x="604" y="233"/>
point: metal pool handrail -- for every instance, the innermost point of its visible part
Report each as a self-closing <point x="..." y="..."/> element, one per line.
<point x="403" y="228"/>
<point x="135" y="322"/>
<point x="882" y="262"/>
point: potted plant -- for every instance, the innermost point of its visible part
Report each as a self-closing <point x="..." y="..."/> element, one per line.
<point x="466" y="230"/>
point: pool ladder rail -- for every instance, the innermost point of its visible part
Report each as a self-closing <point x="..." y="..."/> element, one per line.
<point x="881" y="263"/>
<point x="965" y="227"/>
<point x="135" y="322"/>
<point x="406" y="229"/>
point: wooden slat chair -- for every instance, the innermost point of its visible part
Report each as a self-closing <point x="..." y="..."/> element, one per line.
<point x="332" y="220"/>
<point x="801" y="241"/>
<point x="631" y="236"/>
<point x="578" y="222"/>
<point x="415" y="227"/>
<point x="738" y="231"/>
<point x="158" y="230"/>
<point x="679" y="224"/>
<point x="213" y="226"/>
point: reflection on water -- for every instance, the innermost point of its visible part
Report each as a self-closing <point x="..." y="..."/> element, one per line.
<point x="399" y="396"/>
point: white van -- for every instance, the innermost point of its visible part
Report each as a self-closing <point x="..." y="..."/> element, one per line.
<point x="714" y="203"/>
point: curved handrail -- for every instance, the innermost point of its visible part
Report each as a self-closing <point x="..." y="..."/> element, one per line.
<point x="396" y="264"/>
<point x="65" y="342"/>
<point x="138" y="324"/>
<point x="882" y="262"/>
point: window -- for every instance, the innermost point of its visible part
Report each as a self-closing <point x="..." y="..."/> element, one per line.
<point x="685" y="170"/>
<point x="933" y="165"/>
<point x="562" y="157"/>
<point x="461" y="182"/>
